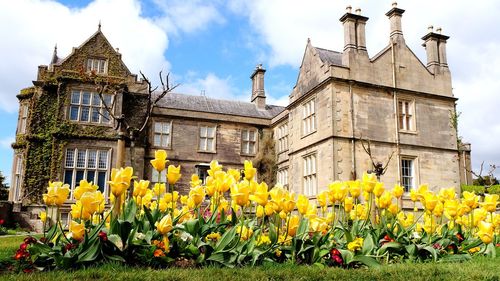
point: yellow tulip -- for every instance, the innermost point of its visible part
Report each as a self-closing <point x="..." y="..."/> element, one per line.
<point x="451" y="209"/>
<point x="223" y="205"/>
<point x="235" y="174"/>
<point x="479" y="215"/>
<point x="91" y="201"/>
<point x="244" y="232"/>
<point x="447" y="194"/>
<point x="354" y="188"/>
<point x="337" y="191"/>
<point x="140" y="188"/>
<point x="195" y="180"/>
<point x="77" y="230"/>
<point x="197" y="194"/>
<point x="398" y="191"/>
<point x="240" y="193"/>
<point x="259" y="212"/>
<point x="414" y="195"/>
<point x="311" y="211"/>
<point x="355" y="245"/>
<point x="485" y="232"/>
<point x="385" y="200"/>
<point x="214" y="167"/>
<point x="261" y="194"/>
<point x="277" y="194"/>
<point x="269" y="209"/>
<point x="288" y="202"/>
<point x="369" y="182"/>
<point x="430" y="201"/>
<point x="302" y="204"/>
<point x="250" y="171"/>
<point x="319" y="225"/>
<point x="159" y="189"/>
<point x="322" y="198"/>
<point x="361" y="211"/>
<point x="430" y="225"/>
<point x="160" y="160"/>
<point x="57" y="193"/>
<point x="490" y="202"/>
<point x="120" y="180"/>
<point x="173" y="174"/>
<point x="293" y="225"/>
<point x="146" y="200"/>
<point x="421" y="191"/>
<point x="393" y="209"/>
<point x="210" y="187"/>
<point x="164" y="225"/>
<point x="223" y="181"/>
<point x="84" y="186"/>
<point x="348" y="204"/>
<point x="263" y="240"/>
<point x="43" y="216"/>
<point x="470" y="199"/>
<point x="378" y="189"/>
<point x="438" y="210"/>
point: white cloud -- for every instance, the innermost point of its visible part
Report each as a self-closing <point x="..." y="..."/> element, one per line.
<point x="30" y="28"/>
<point x="212" y="86"/>
<point x="187" y="15"/>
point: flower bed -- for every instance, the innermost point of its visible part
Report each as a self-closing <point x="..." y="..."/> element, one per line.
<point x="232" y="220"/>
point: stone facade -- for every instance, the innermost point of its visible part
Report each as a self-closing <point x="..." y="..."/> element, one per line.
<point x="341" y="101"/>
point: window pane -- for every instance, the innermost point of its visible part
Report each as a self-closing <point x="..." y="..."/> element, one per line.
<point x="158" y="127"/>
<point x="203" y="131"/>
<point x="89" y="64"/>
<point x="203" y="143"/>
<point x="79" y="177"/>
<point x="84" y="115"/>
<point x="75" y="97"/>
<point x="210" y="144"/>
<point x="96" y="100"/>
<point x="68" y="177"/>
<point x="86" y="98"/>
<point x="95" y="114"/>
<point x="70" y="158"/>
<point x="80" y="160"/>
<point x="164" y="141"/>
<point x="157" y="140"/>
<point x="103" y="159"/>
<point x="91" y="176"/>
<point x="252" y="135"/>
<point x="107" y="99"/>
<point x="101" y="180"/>
<point x="251" y="148"/>
<point x="210" y="132"/>
<point x="166" y="128"/>
<point x="105" y="116"/>
<point x="92" y="157"/>
<point x="73" y="113"/>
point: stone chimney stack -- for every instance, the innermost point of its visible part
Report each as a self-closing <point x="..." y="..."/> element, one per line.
<point x="395" y="15"/>
<point x="354" y="35"/>
<point x="258" y="93"/>
<point x="435" y="47"/>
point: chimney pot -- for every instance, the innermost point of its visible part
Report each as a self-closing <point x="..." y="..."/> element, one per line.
<point x="438" y="30"/>
<point x="258" y="93"/>
<point x="348" y="9"/>
<point x="394" y="4"/>
<point x="430" y="28"/>
<point x="358" y="11"/>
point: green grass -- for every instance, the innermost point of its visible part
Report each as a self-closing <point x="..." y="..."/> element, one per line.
<point x="479" y="268"/>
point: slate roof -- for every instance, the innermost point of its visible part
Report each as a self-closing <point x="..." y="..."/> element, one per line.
<point x="206" y="104"/>
<point x="330" y="57"/>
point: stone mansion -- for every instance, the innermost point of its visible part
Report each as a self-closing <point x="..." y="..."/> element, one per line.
<point x="403" y="106"/>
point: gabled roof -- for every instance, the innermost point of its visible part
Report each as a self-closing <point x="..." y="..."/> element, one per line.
<point x="329" y="57"/>
<point x="206" y="104"/>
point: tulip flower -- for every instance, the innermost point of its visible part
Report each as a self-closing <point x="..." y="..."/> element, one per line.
<point x="160" y="160"/>
<point x="261" y="194"/>
<point x="214" y="167"/>
<point x="293" y="225"/>
<point x="302" y="204"/>
<point x="84" y="186"/>
<point x="485" y="232"/>
<point x="355" y="245"/>
<point x="490" y="202"/>
<point x="354" y="188"/>
<point x="250" y="171"/>
<point x="470" y="199"/>
<point x="197" y="194"/>
<point x="378" y="190"/>
<point x="43" y="216"/>
<point x="159" y="189"/>
<point x="259" y="212"/>
<point x="322" y="198"/>
<point x="120" y="180"/>
<point x="140" y="188"/>
<point x="240" y="193"/>
<point x="430" y="201"/>
<point x="244" y="232"/>
<point x="164" y="225"/>
<point x="348" y="204"/>
<point x="77" y="230"/>
<point x="173" y="174"/>
<point x="235" y="174"/>
<point x="369" y="182"/>
<point x="393" y="209"/>
<point x="398" y="191"/>
<point x="451" y="209"/>
<point x="57" y="193"/>
<point x="337" y="191"/>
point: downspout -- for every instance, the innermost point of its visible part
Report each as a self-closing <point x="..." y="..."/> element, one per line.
<point x="334" y="153"/>
<point x="395" y="105"/>
<point x="353" y="147"/>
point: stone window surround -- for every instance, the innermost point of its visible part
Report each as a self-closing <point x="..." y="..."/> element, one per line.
<point x="412" y="121"/>
<point x="17" y="176"/>
<point x="414" y="169"/>
<point x="23" y="118"/>
<point x="310" y="116"/>
<point x="91" y="66"/>
<point x="309" y="174"/>
<point x="74" y="184"/>
<point x="254" y="141"/>
<point x="282" y="135"/>
<point x="87" y="89"/>
<point x="153" y="133"/>
<point x="282" y="177"/>
<point x="214" y="145"/>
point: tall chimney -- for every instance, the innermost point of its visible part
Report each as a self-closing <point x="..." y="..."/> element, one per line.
<point x="435" y="47"/>
<point x="258" y="93"/>
<point x="354" y="35"/>
<point x="395" y="15"/>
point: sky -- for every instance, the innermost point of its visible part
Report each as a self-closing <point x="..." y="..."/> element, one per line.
<point x="212" y="46"/>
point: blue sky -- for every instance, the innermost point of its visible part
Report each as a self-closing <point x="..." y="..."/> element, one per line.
<point x="214" y="45"/>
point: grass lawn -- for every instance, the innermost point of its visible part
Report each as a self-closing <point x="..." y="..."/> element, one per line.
<point x="477" y="269"/>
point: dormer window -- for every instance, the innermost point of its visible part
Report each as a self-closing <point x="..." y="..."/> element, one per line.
<point x="99" y="66"/>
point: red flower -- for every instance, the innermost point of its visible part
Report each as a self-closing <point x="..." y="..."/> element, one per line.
<point x="334" y="252"/>
<point x="29" y="240"/>
<point x="2" y="222"/>
<point x="23" y="246"/>
<point x="103" y="236"/>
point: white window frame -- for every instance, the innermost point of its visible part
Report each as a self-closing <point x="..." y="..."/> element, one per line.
<point x="282" y="177"/>
<point x="406" y="115"/>
<point x="164" y="134"/>
<point x="154" y="176"/>
<point x="204" y="137"/>
<point x="248" y="143"/>
<point x="310" y="185"/>
<point x="17" y="177"/>
<point x="309" y="117"/>
<point x="75" y="166"/>
<point x="94" y="105"/>
<point x="23" y="119"/>
<point x="97" y="65"/>
<point x="282" y="134"/>
<point x="408" y="172"/>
